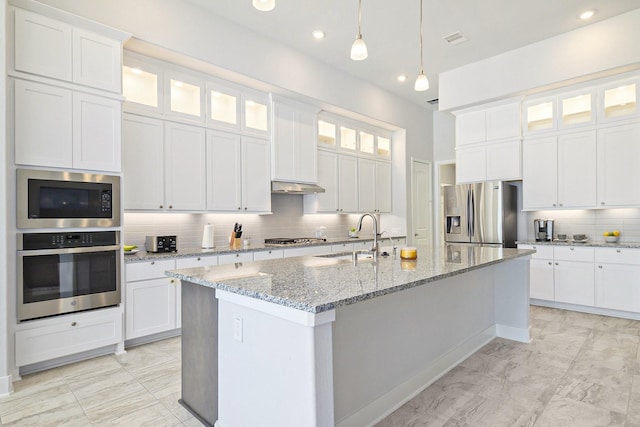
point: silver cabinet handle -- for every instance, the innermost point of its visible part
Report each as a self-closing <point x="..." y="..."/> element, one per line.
<point x="198" y="259"/>
<point x="153" y="262"/>
<point x="599" y="266"/>
<point x="557" y="263"/>
<point x="571" y="249"/>
<point x="160" y="206"/>
<point x="170" y="206"/>
<point x="73" y="323"/>
<point x="602" y="203"/>
<point x="618" y="250"/>
<point x="550" y="263"/>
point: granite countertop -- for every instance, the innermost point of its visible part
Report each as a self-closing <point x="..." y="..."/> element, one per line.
<point x="316" y="284"/>
<point x="590" y="243"/>
<point x="142" y="255"/>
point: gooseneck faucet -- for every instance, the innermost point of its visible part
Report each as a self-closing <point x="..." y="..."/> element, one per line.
<point x="374" y="249"/>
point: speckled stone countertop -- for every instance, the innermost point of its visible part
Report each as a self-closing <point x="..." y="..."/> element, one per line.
<point x="316" y="283"/>
<point x="593" y="243"/>
<point x="220" y="250"/>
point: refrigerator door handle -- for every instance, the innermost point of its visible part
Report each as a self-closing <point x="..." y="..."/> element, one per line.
<point x="472" y="212"/>
<point x="469" y="214"/>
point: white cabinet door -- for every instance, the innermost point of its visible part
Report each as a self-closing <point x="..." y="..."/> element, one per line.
<point x="307" y="251"/>
<point x="577" y="170"/>
<point x="270" y="254"/>
<point x="42" y="46"/>
<point x="150" y="307"/>
<point x="294" y="144"/>
<point x="366" y="185"/>
<point x="97" y="133"/>
<point x="539" y="173"/>
<point x="185" y="167"/>
<point x="97" y="61"/>
<point x="503" y="122"/>
<point x="504" y="161"/>
<point x="471" y="128"/>
<point x="471" y="164"/>
<point x="235" y="257"/>
<point x="574" y="282"/>
<point x="383" y="187"/>
<point x="348" y="183"/>
<point x="199" y="261"/>
<point x="541" y="279"/>
<point x="143" y="162"/>
<point x="43" y="125"/>
<point x="327" y="179"/>
<point x="224" y="177"/>
<point x="618" y="171"/>
<point x="256" y="175"/>
<point x="618" y="287"/>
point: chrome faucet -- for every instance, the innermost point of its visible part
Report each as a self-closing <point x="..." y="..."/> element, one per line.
<point x="374" y="249"/>
<point x="390" y="241"/>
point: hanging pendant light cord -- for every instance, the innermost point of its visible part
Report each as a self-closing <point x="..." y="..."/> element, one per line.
<point x="421" y="61"/>
<point x="359" y="18"/>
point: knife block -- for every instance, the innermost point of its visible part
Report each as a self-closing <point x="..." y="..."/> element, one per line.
<point x="234" y="242"/>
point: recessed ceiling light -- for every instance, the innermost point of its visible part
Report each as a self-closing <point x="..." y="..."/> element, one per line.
<point x="318" y="34"/>
<point x="587" y="14"/>
<point x="402" y="78"/>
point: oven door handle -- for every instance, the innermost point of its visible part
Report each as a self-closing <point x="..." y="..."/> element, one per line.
<point x="83" y="250"/>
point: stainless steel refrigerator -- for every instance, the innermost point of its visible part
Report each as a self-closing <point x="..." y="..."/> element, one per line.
<point x="485" y="213"/>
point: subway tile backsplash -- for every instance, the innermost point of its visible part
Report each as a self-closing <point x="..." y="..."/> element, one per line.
<point x="591" y="222"/>
<point x="286" y="220"/>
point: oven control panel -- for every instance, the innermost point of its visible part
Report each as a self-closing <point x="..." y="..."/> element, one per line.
<point x="31" y="241"/>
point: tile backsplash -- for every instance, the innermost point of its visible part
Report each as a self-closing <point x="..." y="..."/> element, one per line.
<point x="591" y="222"/>
<point x="286" y="220"/>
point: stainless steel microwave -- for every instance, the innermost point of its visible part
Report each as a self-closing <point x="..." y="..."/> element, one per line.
<point x="56" y="199"/>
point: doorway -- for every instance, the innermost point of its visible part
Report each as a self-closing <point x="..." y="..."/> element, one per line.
<point x="421" y="202"/>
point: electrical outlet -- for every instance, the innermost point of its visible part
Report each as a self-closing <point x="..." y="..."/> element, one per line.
<point x="237" y="329"/>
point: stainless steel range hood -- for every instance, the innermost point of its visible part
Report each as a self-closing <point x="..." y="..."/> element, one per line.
<point x="282" y="187"/>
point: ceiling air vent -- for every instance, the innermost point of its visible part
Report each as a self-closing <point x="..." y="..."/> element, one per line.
<point x="433" y="101"/>
<point x="455" y="38"/>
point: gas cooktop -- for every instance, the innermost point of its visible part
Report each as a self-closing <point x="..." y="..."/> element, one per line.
<point x="280" y="241"/>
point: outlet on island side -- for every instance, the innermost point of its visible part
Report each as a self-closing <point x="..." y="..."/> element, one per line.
<point x="237" y="329"/>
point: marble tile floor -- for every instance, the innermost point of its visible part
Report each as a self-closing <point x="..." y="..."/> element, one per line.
<point x="579" y="370"/>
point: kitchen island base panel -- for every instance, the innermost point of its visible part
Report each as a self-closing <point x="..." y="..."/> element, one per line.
<point x="200" y="348"/>
<point x="276" y="369"/>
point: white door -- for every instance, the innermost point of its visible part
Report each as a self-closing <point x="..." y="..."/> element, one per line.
<point x="574" y="282"/>
<point x="348" y="183"/>
<point x="383" y="187"/>
<point x="540" y="173"/>
<point x="256" y="175"/>
<point x="618" y="171"/>
<point x="366" y="185"/>
<point x="150" y="307"/>
<point x="471" y="164"/>
<point x="185" y="167"/>
<point x="327" y="179"/>
<point x="577" y="170"/>
<point x="224" y="176"/>
<point x="618" y="287"/>
<point x="541" y="277"/>
<point x="97" y="61"/>
<point x="421" y="202"/>
<point x="143" y="162"/>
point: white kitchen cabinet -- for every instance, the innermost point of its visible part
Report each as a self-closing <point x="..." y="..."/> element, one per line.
<point x="366" y="185"/>
<point x="48" y="339"/>
<point x="142" y="85"/>
<point x="294" y="148"/>
<point x="618" y="279"/>
<point x="43" y="46"/>
<point x="577" y="170"/>
<point x="43" y="125"/>
<point x="574" y="282"/>
<point x="184" y="96"/>
<point x="541" y="281"/>
<point x="150" y="298"/>
<point x="196" y="261"/>
<point x="255" y="114"/>
<point x="235" y="257"/>
<point x="383" y="187"/>
<point x="489" y="124"/>
<point x="55" y="49"/>
<point x="539" y="115"/>
<point x="342" y="247"/>
<point x="471" y="164"/>
<point x="471" y="128"/>
<point x="307" y="251"/>
<point x="560" y="171"/>
<point x="237" y="173"/>
<point x="185" y="167"/>
<point x="618" y="172"/>
<point x="576" y="109"/>
<point x="347" y="183"/>
<point x="619" y="100"/>
<point x="268" y="254"/>
<point x="327" y="179"/>
<point x="143" y="162"/>
<point x="97" y="133"/>
<point x="74" y="130"/>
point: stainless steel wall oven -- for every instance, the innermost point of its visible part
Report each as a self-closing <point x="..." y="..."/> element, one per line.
<point x="67" y="272"/>
<point x="57" y="199"/>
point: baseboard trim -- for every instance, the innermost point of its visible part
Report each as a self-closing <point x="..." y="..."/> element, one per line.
<point x="6" y="385"/>
<point x="515" y="334"/>
<point x="586" y="309"/>
<point x="380" y="408"/>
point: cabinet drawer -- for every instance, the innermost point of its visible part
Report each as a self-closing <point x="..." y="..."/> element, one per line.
<point x="199" y="261"/>
<point x="343" y="247"/>
<point x="618" y="256"/>
<point x="573" y="253"/>
<point x="270" y="254"/>
<point x="148" y="270"/>
<point x="307" y="250"/>
<point x="77" y="334"/>
<point x="542" y="251"/>
<point x="233" y="258"/>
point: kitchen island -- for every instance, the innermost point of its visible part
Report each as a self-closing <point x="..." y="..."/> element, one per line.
<point x="323" y="341"/>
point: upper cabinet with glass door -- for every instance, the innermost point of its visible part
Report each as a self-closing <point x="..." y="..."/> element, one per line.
<point x="141" y="85"/>
<point x="327" y="134"/>
<point x="560" y="112"/>
<point x="539" y="116"/>
<point x="184" y="96"/>
<point x="223" y="106"/>
<point x="619" y="101"/>
<point x="255" y="113"/>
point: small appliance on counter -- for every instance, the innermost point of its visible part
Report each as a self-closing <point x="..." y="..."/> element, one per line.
<point x="543" y="229"/>
<point x="159" y="244"/>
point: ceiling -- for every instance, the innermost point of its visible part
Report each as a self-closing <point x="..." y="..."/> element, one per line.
<point x="390" y="29"/>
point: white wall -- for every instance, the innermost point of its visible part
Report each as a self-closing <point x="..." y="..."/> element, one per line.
<point x="444" y="136"/>
<point x="199" y="34"/>
<point x="5" y="380"/>
<point x="595" y="50"/>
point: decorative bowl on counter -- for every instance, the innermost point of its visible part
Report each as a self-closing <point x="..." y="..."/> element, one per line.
<point x="611" y="239"/>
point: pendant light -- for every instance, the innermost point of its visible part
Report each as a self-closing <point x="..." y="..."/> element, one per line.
<point x="422" y="83"/>
<point x="264" y="5"/>
<point x="359" y="48"/>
